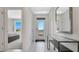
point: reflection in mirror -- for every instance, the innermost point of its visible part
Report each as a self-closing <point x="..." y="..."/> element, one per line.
<point x="64" y="19"/>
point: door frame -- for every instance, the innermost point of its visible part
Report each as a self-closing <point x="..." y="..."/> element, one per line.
<point x="6" y="24"/>
<point x="46" y="23"/>
<point x="43" y="31"/>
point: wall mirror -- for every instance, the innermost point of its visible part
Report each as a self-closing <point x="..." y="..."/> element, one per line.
<point x="63" y="16"/>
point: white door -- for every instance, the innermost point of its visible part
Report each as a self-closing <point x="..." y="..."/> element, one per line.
<point x="40" y="29"/>
<point x="1" y="29"/>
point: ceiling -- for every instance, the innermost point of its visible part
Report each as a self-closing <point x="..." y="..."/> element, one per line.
<point x="40" y="10"/>
<point x="14" y="14"/>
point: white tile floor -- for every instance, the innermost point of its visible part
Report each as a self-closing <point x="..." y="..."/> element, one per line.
<point x="15" y="50"/>
<point x="36" y="47"/>
<point x="40" y="47"/>
<point x="15" y="46"/>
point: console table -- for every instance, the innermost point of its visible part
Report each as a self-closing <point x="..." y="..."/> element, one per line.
<point x="56" y="41"/>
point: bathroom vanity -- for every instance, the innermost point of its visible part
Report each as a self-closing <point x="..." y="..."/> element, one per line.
<point x="62" y="44"/>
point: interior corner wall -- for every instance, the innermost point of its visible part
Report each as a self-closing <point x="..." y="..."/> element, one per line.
<point x="76" y="20"/>
<point x="52" y="24"/>
<point x="27" y="29"/>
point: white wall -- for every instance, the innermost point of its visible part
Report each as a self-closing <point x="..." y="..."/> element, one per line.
<point x="52" y="24"/>
<point x="27" y="29"/>
<point x="3" y="33"/>
<point x="10" y="25"/>
<point x="76" y="20"/>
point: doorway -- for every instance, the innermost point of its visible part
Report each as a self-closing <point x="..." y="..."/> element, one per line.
<point x="40" y="29"/>
<point x="14" y="29"/>
<point x="40" y="32"/>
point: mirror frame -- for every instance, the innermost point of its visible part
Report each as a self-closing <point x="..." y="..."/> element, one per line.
<point x="71" y="21"/>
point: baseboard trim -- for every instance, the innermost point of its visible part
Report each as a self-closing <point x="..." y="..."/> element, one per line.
<point x="39" y="40"/>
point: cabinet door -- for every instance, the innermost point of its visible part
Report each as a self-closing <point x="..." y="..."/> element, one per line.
<point x="1" y="29"/>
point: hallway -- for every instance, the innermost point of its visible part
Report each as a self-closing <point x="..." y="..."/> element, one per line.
<point x="25" y="29"/>
<point x="39" y="29"/>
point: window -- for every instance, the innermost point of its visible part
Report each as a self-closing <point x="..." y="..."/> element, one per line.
<point x="40" y="24"/>
<point x="18" y="25"/>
